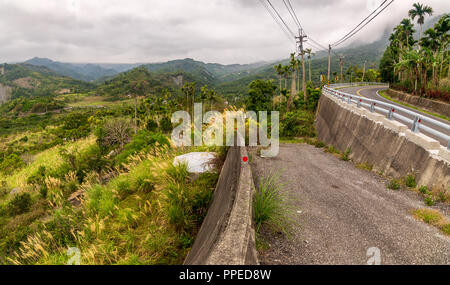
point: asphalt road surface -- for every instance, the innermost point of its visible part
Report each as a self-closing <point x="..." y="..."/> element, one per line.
<point x="342" y="211"/>
<point x="371" y="93"/>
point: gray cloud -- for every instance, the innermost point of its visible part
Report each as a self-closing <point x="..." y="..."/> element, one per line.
<point x="225" y="31"/>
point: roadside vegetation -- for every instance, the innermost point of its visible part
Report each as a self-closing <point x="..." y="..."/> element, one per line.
<point x="434" y="218"/>
<point x="98" y="178"/>
<point x="384" y="95"/>
<point x="419" y="66"/>
<point x="272" y="209"/>
<point x="437" y="194"/>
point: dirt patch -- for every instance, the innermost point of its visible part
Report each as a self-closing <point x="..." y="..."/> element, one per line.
<point x="27" y="82"/>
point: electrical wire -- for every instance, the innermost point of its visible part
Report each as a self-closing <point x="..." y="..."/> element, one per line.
<point x="271" y="13"/>
<point x="358" y="28"/>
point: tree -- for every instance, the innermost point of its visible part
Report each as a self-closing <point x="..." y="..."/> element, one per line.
<point x="279" y="70"/>
<point x="260" y="94"/>
<point x="420" y="11"/>
<point x="114" y="133"/>
<point x="188" y="90"/>
<point x="212" y="97"/>
<point x="309" y="52"/>
<point x="204" y="95"/>
<point x="138" y="90"/>
<point x="387" y="66"/>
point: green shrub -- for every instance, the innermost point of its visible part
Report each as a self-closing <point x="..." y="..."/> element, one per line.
<point x="178" y="174"/>
<point x="20" y="204"/>
<point x="345" y="155"/>
<point x="144" y="140"/>
<point x="298" y="124"/>
<point x="151" y="125"/>
<point x="124" y="189"/>
<point x="61" y="229"/>
<point x="442" y="197"/>
<point x="411" y="181"/>
<point x="423" y="189"/>
<point x="319" y="144"/>
<point x="165" y="125"/>
<point x="144" y="184"/>
<point x="75" y="126"/>
<point x="91" y="159"/>
<point x="394" y="184"/>
<point x="446" y="229"/>
<point x="270" y="206"/>
<point x="429" y="201"/>
<point x="11" y="163"/>
<point x="38" y="177"/>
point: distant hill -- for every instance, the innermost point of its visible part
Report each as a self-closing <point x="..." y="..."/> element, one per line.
<point x="153" y="83"/>
<point x="86" y="72"/>
<point x="25" y="80"/>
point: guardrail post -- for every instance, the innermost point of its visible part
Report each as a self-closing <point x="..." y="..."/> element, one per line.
<point x="349" y="100"/>
<point x="415" y="127"/>
<point x="391" y="113"/>
<point x="359" y="103"/>
<point x="372" y="107"/>
<point x="448" y="146"/>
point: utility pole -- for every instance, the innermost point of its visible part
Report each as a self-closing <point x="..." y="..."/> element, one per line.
<point x="364" y="71"/>
<point x="300" y="40"/>
<point x="329" y="63"/>
<point x="341" y="63"/>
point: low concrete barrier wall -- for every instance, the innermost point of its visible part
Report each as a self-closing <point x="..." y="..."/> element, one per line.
<point x="227" y="235"/>
<point x="388" y="145"/>
<point x="424" y="103"/>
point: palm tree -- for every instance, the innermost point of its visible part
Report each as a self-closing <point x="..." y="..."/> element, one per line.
<point x="293" y="65"/>
<point x="309" y="52"/>
<point x="204" y="95"/>
<point x="189" y="90"/>
<point x="407" y="31"/>
<point x="212" y="97"/>
<point x="293" y="68"/>
<point x="279" y="69"/>
<point x="420" y="11"/>
<point x="286" y="70"/>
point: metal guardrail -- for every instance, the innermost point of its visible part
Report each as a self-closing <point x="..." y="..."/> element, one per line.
<point x="340" y="85"/>
<point x="391" y="110"/>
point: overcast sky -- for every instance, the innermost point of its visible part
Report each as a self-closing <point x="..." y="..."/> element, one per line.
<point x="223" y="31"/>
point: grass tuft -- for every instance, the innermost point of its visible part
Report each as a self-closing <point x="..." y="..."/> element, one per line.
<point x="434" y="218"/>
<point x="271" y="207"/>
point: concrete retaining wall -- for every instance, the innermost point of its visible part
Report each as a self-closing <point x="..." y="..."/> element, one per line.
<point x="424" y="103"/>
<point x="388" y="145"/>
<point x="227" y="235"/>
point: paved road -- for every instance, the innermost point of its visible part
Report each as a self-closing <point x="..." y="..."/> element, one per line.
<point x="344" y="212"/>
<point x="371" y="93"/>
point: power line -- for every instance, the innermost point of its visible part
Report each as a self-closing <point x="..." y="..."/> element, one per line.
<point x="281" y="18"/>
<point x="356" y="29"/>
<point x="361" y="22"/>
<point x="283" y="28"/>
<point x="292" y="12"/>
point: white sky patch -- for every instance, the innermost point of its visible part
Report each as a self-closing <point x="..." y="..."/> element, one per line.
<point x="224" y="31"/>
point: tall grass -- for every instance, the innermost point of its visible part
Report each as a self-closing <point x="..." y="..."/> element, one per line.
<point x="50" y="158"/>
<point x="271" y="206"/>
<point x="127" y="220"/>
